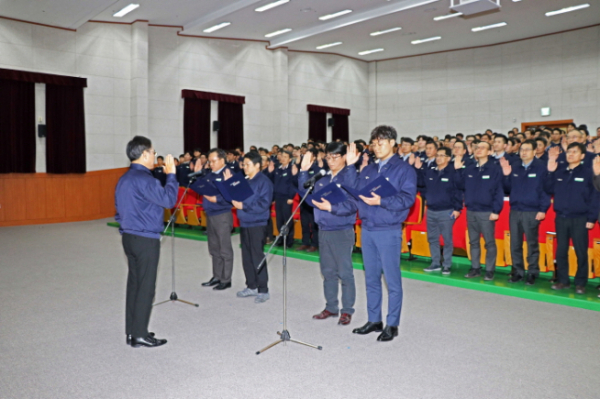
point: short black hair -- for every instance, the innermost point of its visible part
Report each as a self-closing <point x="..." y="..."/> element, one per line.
<point x="287" y="152"/>
<point x="462" y="143"/>
<point x="384" y="132"/>
<point x="160" y="157"/>
<point x="197" y="150"/>
<point x="430" y="142"/>
<point x="512" y="140"/>
<point x="543" y="140"/>
<point x="577" y="145"/>
<point x="253" y="157"/>
<point x="532" y="143"/>
<point x="460" y="136"/>
<point x="422" y="136"/>
<point x="557" y="130"/>
<point x="137" y="146"/>
<point x="360" y="141"/>
<point x="446" y="150"/>
<point x="407" y="140"/>
<point x="336" y="148"/>
<point x="220" y="153"/>
<point x="501" y="136"/>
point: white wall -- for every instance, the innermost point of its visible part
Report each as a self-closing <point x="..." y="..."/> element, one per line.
<point x="494" y="87"/>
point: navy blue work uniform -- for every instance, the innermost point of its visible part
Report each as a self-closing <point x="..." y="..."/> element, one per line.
<point x="336" y="240"/>
<point x="139" y="200"/>
<point x="234" y="166"/>
<point x="525" y="186"/>
<point x="255" y="212"/>
<point x="159" y="173"/>
<point x="310" y="229"/>
<point x="183" y="171"/>
<point x="575" y="203"/>
<point x="284" y="190"/>
<point x="382" y="235"/>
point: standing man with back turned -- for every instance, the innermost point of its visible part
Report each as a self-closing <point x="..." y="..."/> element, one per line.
<point x="382" y="229"/>
<point x="139" y="200"/>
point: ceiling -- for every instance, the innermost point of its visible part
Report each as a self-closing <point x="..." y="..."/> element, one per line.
<point x="524" y="19"/>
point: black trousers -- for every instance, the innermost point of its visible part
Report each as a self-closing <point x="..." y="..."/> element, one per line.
<point x="574" y="229"/>
<point x="524" y="223"/>
<point x="284" y="212"/>
<point x="142" y="257"/>
<point x="310" y="230"/>
<point x="253" y="242"/>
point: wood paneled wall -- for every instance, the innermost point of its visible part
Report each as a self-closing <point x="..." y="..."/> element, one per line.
<point x="46" y="198"/>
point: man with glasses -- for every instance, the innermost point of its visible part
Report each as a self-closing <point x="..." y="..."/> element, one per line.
<point x="336" y="236"/>
<point x="484" y="199"/>
<point x="139" y="200"/>
<point x="219" y="223"/>
<point x="310" y="229"/>
<point x="444" y="203"/>
<point x="382" y="229"/>
<point x="524" y="182"/>
<point x="573" y="136"/>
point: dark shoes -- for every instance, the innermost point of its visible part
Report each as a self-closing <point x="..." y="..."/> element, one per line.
<point x="345" y="319"/>
<point x="222" y="286"/>
<point x="311" y="249"/>
<point x="515" y="278"/>
<point x="560" y="286"/>
<point x="303" y="247"/>
<point x="149" y="342"/>
<point x="388" y="334"/>
<point x="369" y="328"/>
<point x="489" y="275"/>
<point x="473" y="273"/>
<point x="211" y="282"/>
<point x="579" y="289"/>
<point x="129" y="337"/>
<point x="530" y="279"/>
<point x="324" y="314"/>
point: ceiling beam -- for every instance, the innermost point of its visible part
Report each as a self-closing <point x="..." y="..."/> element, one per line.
<point x="220" y="13"/>
<point x="93" y="12"/>
<point x="347" y="20"/>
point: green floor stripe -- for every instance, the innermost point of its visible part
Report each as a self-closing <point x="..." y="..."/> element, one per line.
<point x="541" y="291"/>
<point x="194" y="233"/>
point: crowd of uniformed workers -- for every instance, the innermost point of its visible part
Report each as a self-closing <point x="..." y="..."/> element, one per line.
<point x="456" y="174"/>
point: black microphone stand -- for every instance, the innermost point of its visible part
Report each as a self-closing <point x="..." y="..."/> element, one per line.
<point x="284" y="335"/>
<point x="174" y="297"/>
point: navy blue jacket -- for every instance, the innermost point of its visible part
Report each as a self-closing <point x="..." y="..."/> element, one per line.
<point x="574" y="193"/>
<point x="183" y="170"/>
<point x="159" y="173"/>
<point x="393" y="210"/>
<point x="233" y="166"/>
<point x="140" y="200"/>
<point x="482" y="186"/>
<point x="257" y="208"/>
<point x="284" y="182"/>
<point x="342" y="215"/>
<point x="219" y="207"/>
<point x="526" y="187"/>
<point x="442" y="191"/>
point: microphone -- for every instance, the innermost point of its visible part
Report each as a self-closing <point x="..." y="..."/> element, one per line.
<point x="196" y="174"/>
<point x="311" y="182"/>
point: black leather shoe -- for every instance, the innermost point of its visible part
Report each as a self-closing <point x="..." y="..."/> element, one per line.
<point x="222" y="286"/>
<point x="129" y="337"/>
<point x="368" y="328"/>
<point x="149" y="342"/>
<point x="211" y="282"/>
<point x="530" y="279"/>
<point x="388" y="334"/>
<point x="515" y="278"/>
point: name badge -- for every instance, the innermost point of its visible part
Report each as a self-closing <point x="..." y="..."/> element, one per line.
<point x="218" y="179"/>
<point x="311" y="172"/>
<point x="366" y="177"/>
<point x="580" y="179"/>
<point x="284" y="175"/>
<point x="485" y="177"/>
<point x="444" y="179"/>
<point x="532" y="175"/>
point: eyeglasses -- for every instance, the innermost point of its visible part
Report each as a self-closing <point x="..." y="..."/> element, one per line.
<point x="333" y="157"/>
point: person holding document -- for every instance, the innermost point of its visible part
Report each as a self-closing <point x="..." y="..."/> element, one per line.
<point x="253" y="213"/>
<point x="336" y="215"/>
<point x="382" y="218"/>
<point x="219" y="220"/>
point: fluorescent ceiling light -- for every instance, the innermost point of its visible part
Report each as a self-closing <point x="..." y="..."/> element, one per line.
<point x="382" y="32"/>
<point x="370" y="51"/>
<point x="417" y="5"/>
<point x="441" y="17"/>
<point x="126" y="10"/>
<point x="429" y="39"/>
<point x="217" y="27"/>
<point x="328" y="45"/>
<point x="337" y="14"/>
<point x="271" y="5"/>
<point x="279" y="32"/>
<point x="480" y="28"/>
<point x="514" y="1"/>
<point x="568" y="9"/>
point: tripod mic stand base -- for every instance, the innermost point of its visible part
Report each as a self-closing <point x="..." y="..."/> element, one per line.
<point x="174" y="298"/>
<point x="284" y="336"/>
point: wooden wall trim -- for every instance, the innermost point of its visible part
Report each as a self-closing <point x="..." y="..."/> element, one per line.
<point x="41" y="198"/>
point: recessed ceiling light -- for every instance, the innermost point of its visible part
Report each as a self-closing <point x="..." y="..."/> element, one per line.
<point x="271" y="5"/>
<point x="370" y="51"/>
<point x="429" y="39"/>
<point x="328" y="45"/>
<point x="480" y="28"/>
<point x="382" y="32"/>
<point x="441" y="17"/>
<point x="279" y="32"/>
<point x="515" y="1"/>
<point x="217" y="27"/>
<point x="568" y="9"/>
<point x="126" y="10"/>
<point x="337" y="14"/>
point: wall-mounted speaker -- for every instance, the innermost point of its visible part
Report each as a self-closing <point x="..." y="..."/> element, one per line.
<point x="41" y="130"/>
<point x="330" y="122"/>
<point x="216" y="126"/>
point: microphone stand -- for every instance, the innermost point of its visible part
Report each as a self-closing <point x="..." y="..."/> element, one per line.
<point x="284" y="335"/>
<point x="174" y="297"/>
